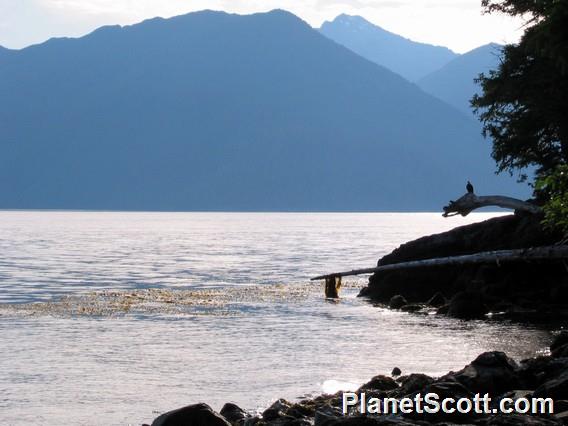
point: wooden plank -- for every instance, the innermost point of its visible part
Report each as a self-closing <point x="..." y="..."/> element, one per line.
<point x="559" y="252"/>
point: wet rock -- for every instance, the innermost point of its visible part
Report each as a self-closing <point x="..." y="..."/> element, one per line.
<point x="414" y="383"/>
<point x="444" y="389"/>
<point x="561" y="416"/>
<point x="559" y="340"/>
<point x="413" y="307"/>
<point x="301" y="410"/>
<point x="437" y="300"/>
<point x="326" y="415"/>
<point x="491" y="372"/>
<point x="560" y="405"/>
<point x="276" y="410"/>
<point x="514" y="395"/>
<point x="194" y="415"/>
<point x="396" y="372"/>
<point x="380" y="383"/>
<point x="467" y="306"/>
<point x="252" y="421"/>
<point x="556" y="388"/>
<point x="535" y="372"/>
<point x="234" y="414"/>
<point x="397" y="302"/>
<point x="560" y="352"/>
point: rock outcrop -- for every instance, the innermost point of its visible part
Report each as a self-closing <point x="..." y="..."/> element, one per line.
<point x="195" y="415"/>
<point x="521" y="290"/>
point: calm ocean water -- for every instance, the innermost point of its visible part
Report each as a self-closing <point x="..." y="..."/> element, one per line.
<point x="112" y="318"/>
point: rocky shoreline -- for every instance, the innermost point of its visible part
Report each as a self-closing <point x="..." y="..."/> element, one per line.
<point x="531" y="292"/>
<point x="528" y="292"/>
<point x="492" y="373"/>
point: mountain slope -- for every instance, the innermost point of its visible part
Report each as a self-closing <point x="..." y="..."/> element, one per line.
<point x="454" y="83"/>
<point x="210" y="111"/>
<point x="410" y="59"/>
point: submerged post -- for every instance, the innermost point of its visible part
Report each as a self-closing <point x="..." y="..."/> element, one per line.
<point x="332" y="286"/>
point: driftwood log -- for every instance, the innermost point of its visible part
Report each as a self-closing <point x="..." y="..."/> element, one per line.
<point x="548" y="253"/>
<point x="469" y="202"/>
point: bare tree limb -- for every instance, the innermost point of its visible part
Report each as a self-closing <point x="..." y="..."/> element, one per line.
<point x="469" y="202"/>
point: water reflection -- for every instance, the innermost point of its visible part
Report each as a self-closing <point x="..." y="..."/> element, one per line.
<point x="163" y="310"/>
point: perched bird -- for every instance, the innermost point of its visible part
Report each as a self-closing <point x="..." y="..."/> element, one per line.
<point x="469" y="187"/>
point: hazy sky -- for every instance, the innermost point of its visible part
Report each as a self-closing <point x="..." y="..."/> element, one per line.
<point x="457" y="24"/>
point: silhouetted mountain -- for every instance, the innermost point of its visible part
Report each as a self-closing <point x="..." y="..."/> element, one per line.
<point x="211" y="111"/>
<point x="408" y="58"/>
<point x="454" y="83"/>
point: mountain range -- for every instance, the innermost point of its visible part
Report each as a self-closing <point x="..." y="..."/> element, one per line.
<point x="410" y="59"/>
<point x="454" y="83"/>
<point x="213" y="111"/>
<point x="436" y="70"/>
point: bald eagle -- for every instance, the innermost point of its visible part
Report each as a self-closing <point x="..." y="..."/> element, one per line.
<point x="469" y="187"/>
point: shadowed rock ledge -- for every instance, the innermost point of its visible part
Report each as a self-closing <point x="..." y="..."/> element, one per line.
<point x="522" y="290"/>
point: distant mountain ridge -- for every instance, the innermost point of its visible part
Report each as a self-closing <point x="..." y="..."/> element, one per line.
<point x="410" y="59"/>
<point x="454" y="83"/>
<point x="212" y="111"/>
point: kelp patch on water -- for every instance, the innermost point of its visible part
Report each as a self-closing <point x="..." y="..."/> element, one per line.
<point x="159" y="301"/>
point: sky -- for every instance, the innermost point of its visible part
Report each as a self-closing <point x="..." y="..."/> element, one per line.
<point x="457" y="24"/>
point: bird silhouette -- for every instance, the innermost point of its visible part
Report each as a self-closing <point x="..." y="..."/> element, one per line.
<point x="469" y="187"/>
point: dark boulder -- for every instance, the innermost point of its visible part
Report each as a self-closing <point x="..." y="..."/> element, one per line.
<point x="492" y="372"/>
<point x="437" y="300"/>
<point x="535" y="372"/>
<point x="397" y="302"/>
<point x="560" y="352"/>
<point x="277" y="409"/>
<point x="379" y="383"/>
<point x="443" y="310"/>
<point x="556" y="388"/>
<point x="233" y="413"/>
<point x="283" y="413"/>
<point x="559" y="340"/>
<point x="192" y="415"/>
<point x="467" y="306"/>
<point x="414" y="383"/>
<point x="444" y="389"/>
<point x="327" y="415"/>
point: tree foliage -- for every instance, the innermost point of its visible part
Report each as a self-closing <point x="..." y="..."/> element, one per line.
<point x="555" y="186"/>
<point x="524" y="104"/>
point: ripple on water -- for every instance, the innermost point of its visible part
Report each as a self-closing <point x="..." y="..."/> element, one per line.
<point x="110" y="318"/>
